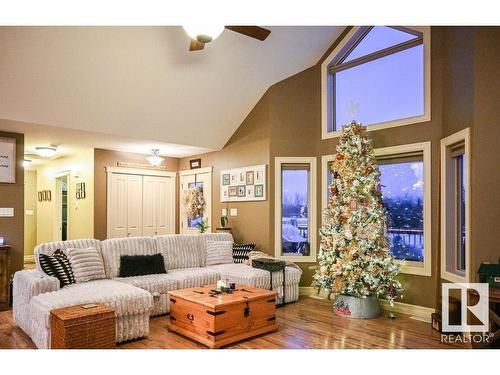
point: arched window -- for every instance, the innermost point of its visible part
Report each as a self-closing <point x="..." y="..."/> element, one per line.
<point x="379" y="76"/>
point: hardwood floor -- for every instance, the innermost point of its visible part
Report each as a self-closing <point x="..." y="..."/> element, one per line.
<point x="308" y="323"/>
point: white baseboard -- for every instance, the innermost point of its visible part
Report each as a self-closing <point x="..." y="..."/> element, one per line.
<point x="29" y="259"/>
<point x="398" y="307"/>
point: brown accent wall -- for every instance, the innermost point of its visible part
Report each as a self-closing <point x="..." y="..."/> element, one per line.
<point x="249" y="145"/>
<point x="464" y="93"/>
<point x="485" y="232"/>
<point x="12" y="195"/>
<point x="109" y="158"/>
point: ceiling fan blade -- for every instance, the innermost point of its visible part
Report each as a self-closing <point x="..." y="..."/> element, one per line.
<point x="195" y="45"/>
<point x="252" y="31"/>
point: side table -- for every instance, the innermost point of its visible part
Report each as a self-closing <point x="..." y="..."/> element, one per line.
<point x="271" y="265"/>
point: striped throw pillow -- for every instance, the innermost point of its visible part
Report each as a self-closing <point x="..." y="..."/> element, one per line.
<point x="57" y="265"/>
<point x="87" y="264"/>
<point x="219" y="252"/>
<point x="240" y="252"/>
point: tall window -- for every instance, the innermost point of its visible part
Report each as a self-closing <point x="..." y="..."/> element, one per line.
<point x="455" y="207"/>
<point x="295" y="208"/>
<point x="378" y="76"/>
<point x="405" y="184"/>
<point x="194" y="222"/>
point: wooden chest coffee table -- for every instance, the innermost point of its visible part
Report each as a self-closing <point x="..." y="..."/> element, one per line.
<point x="216" y="321"/>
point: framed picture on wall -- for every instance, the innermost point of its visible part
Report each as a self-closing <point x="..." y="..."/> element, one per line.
<point x="233" y="191"/>
<point x="49" y="195"/>
<point x="195" y="163"/>
<point x="7" y="160"/>
<point x="40" y="196"/>
<point x="241" y="184"/>
<point x="249" y="178"/>
<point x="259" y="190"/>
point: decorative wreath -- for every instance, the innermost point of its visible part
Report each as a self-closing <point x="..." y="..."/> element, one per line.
<point x="194" y="203"/>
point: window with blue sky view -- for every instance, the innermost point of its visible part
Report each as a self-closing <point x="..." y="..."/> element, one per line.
<point x="294" y="211"/>
<point x="384" y="88"/>
<point x="403" y="195"/>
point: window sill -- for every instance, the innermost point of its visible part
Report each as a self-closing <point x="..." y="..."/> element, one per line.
<point x="383" y="125"/>
<point x="454" y="278"/>
<point x="298" y="259"/>
<point x="414" y="268"/>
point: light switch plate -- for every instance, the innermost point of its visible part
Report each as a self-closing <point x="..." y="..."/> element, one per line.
<point x="6" y="212"/>
<point x="234" y="212"/>
<point x="29" y="212"/>
<point x="224" y="212"/>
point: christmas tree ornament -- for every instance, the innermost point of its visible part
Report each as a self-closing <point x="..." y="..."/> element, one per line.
<point x="355" y="262"/>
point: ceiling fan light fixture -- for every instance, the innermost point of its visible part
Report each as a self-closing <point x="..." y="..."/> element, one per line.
<point x="204" y="33"/>
<point x="46" y="152"/>
<point x="155" y="160"/>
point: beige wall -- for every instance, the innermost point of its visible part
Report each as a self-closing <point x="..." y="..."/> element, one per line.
<point x="109" y="158"/>
<point x="464" y="92"/>
<point x="30" y="203"/>
<point x="80" y="211"/>
<point x="12" y="195"/>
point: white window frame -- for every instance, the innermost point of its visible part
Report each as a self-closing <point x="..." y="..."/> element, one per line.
<point x="409" y="267"/>
<point x="461" y="136"/>
<point x="326" y="91"/>
<point x="278" y="162"/>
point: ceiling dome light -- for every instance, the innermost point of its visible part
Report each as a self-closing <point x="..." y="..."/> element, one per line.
<point x="26" y="163"/>
<point x="46" y="152"/>
<point x="155" y="160"/>
<point x="204" y="33"/>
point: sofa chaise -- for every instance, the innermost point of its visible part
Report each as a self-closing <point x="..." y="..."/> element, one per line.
<point x="134" y="299"/>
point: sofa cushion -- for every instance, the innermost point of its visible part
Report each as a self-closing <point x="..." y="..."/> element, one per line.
<point x="125" y="299"/>
<point x="57" y="265"/>
<point x="242" y="274"/>
<point x="87" y="264"/>
<point x="158" y="283"/>
<point x="139" y="265"/>
<point x="191" y="277"/>
<point x="219" y="252"/>
<point x="114" y="248"/>
<point x="240" y="251"/>
<point x="50" y="247"/>
<point x="181" y="250"/>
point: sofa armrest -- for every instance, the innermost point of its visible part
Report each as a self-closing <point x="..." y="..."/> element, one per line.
<point x="27" y="284"/>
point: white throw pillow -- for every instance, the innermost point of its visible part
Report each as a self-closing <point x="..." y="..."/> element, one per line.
<point x="219" y="252"/>
<point x="87" y="264"/>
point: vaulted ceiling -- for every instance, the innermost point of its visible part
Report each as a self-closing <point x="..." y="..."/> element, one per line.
<point x="141" y="82"/>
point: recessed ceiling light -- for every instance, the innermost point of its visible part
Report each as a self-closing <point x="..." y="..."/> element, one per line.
<point x="155" y="160"/>
<point x="46" y="152"/>
<point x="26" y="163"/>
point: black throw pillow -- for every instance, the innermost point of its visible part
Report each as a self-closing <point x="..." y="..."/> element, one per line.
<point x="57" y="265"/>
<point x="138" y="265"/>
<point x="240" y="252"/>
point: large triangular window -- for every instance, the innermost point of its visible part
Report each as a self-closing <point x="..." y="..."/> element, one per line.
<point x="377" y="77"/>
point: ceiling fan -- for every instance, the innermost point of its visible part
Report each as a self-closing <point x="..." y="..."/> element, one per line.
<point x="200" y="35"/>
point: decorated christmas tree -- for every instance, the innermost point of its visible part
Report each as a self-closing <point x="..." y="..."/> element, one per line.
<point x="354" y="257"/>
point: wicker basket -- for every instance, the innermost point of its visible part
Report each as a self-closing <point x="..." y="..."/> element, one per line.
<point x="77" y="327"/>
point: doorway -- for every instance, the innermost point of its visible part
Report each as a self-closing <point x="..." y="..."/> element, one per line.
<point x="61" y="207"/>
<point x="202" y="179"/>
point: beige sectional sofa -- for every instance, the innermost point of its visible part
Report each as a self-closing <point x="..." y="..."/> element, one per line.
<point x="134" y="299"/>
